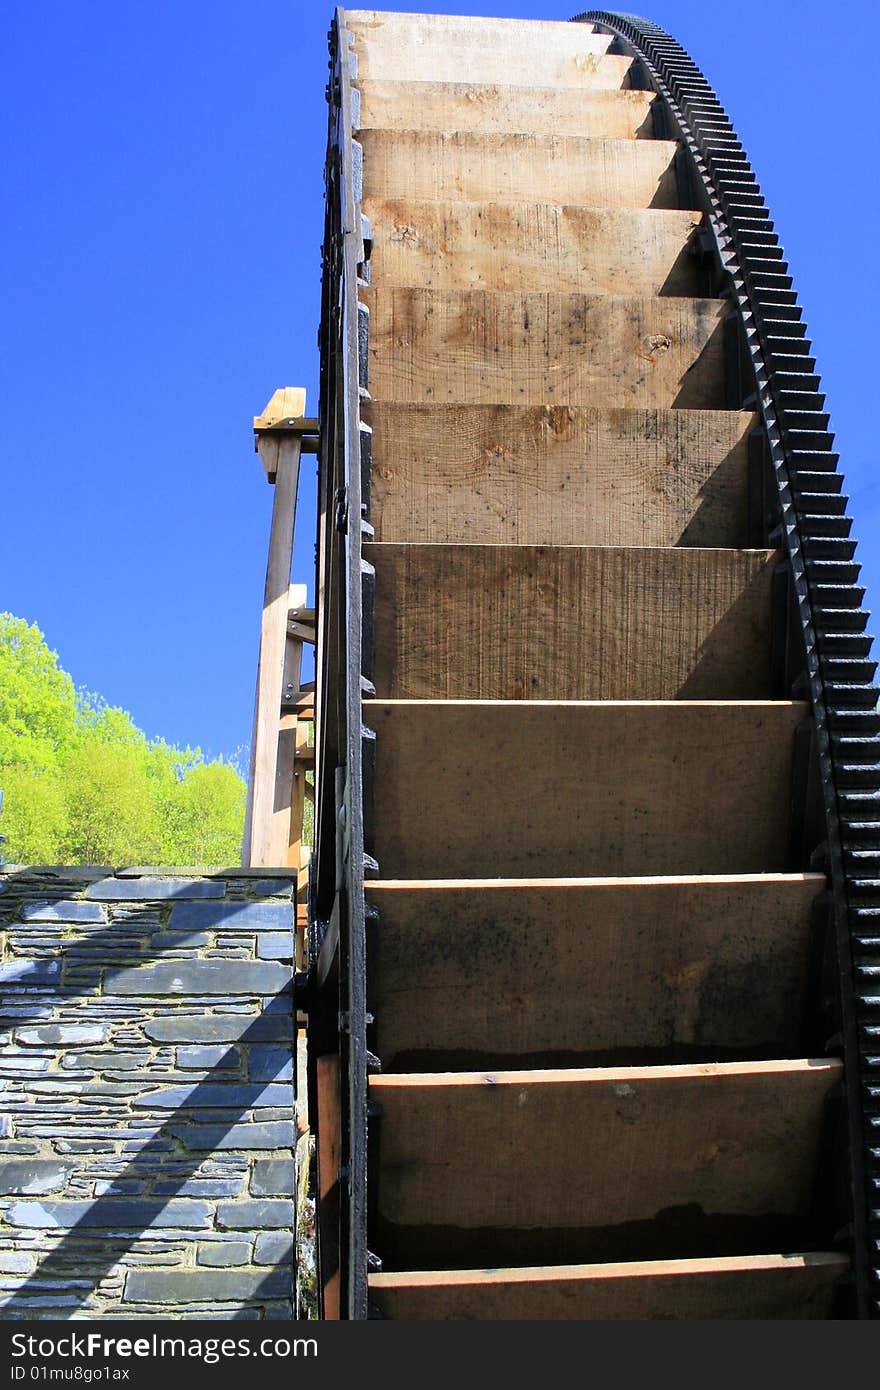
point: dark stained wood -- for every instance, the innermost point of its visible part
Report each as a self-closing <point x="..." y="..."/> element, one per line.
<point x="489" y="972"/>
<point x="477" y="789"/>
<point x="571" y="622"/>
<point x="592" y="1152"/>
<point x="328" y="1142"/>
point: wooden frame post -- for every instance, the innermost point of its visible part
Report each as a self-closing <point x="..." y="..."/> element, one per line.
<point x="273" y="823"/>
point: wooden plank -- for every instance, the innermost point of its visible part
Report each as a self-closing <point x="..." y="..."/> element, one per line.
<point x="286" y="404"/>
<point x="602" y="1163"/>
<point x="288" y="778"/>
<point x="279" y="852"/>
<point x="474" y="789"/>
<point x="584" y="971"/>
<point x="303" y="756"/>
<point x="267" y="825"/>
<point x="558" y="475"/>
<point x="491" y="347"/>
<point x="537" y="247"/>
<point x="743" y="1286"/>
<point x="438" y="48"/>
<point x="303" y="705"/>
<point x="501" y="109"/>
<point x="328" y="1141"/>
<point x="492" y="622"/>
<point x="453" y="166"/>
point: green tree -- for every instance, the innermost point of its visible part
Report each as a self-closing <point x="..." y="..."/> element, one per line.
<point x="34" y="815"/>
<point x="38" y="706"/>
<point x="203" y="817"/>
<point x="112" y="816"/>
<point x="84" y="785"/>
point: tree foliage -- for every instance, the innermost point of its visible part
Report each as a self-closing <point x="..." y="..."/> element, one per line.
<point x="38" y="708"/>
<point x="82" y="784"/>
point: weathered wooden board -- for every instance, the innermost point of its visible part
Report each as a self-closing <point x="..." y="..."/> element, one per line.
<point x="493" y="347"/>
<point x="491" y="246"/>
<point x="267" y="834"/>
<point x="743" y="1286"/>
<point x="444" y="166"/>
<point x="492" y="622"/>
<point x="328" y="1124"/>
<point x="473" y="789"/>
<point x="578" y="1159"/>
<point x="557" y="475"/>
<point x="501" y="109"/>
<point x="439" y="48"/>
<point x="580" y="971"/>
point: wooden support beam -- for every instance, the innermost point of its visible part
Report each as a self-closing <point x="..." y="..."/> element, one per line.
<point x="269" y="830"/>
<point x="304" y="631"/>
<point x="329" y="1138"/>
<point x="284" y="416"/>
<point x="288" y="402"/>
<point x="297" y="791"/>
<point x="301" y="704"/>
<point x="302" y="882"/>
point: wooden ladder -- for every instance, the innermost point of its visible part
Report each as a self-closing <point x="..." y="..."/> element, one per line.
<point x="282" y="751"/>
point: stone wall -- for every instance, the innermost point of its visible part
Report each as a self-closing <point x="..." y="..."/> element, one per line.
<point x="146" y="1094"/>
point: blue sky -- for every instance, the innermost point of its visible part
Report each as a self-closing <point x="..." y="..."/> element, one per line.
<point x="160" y="277"/>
